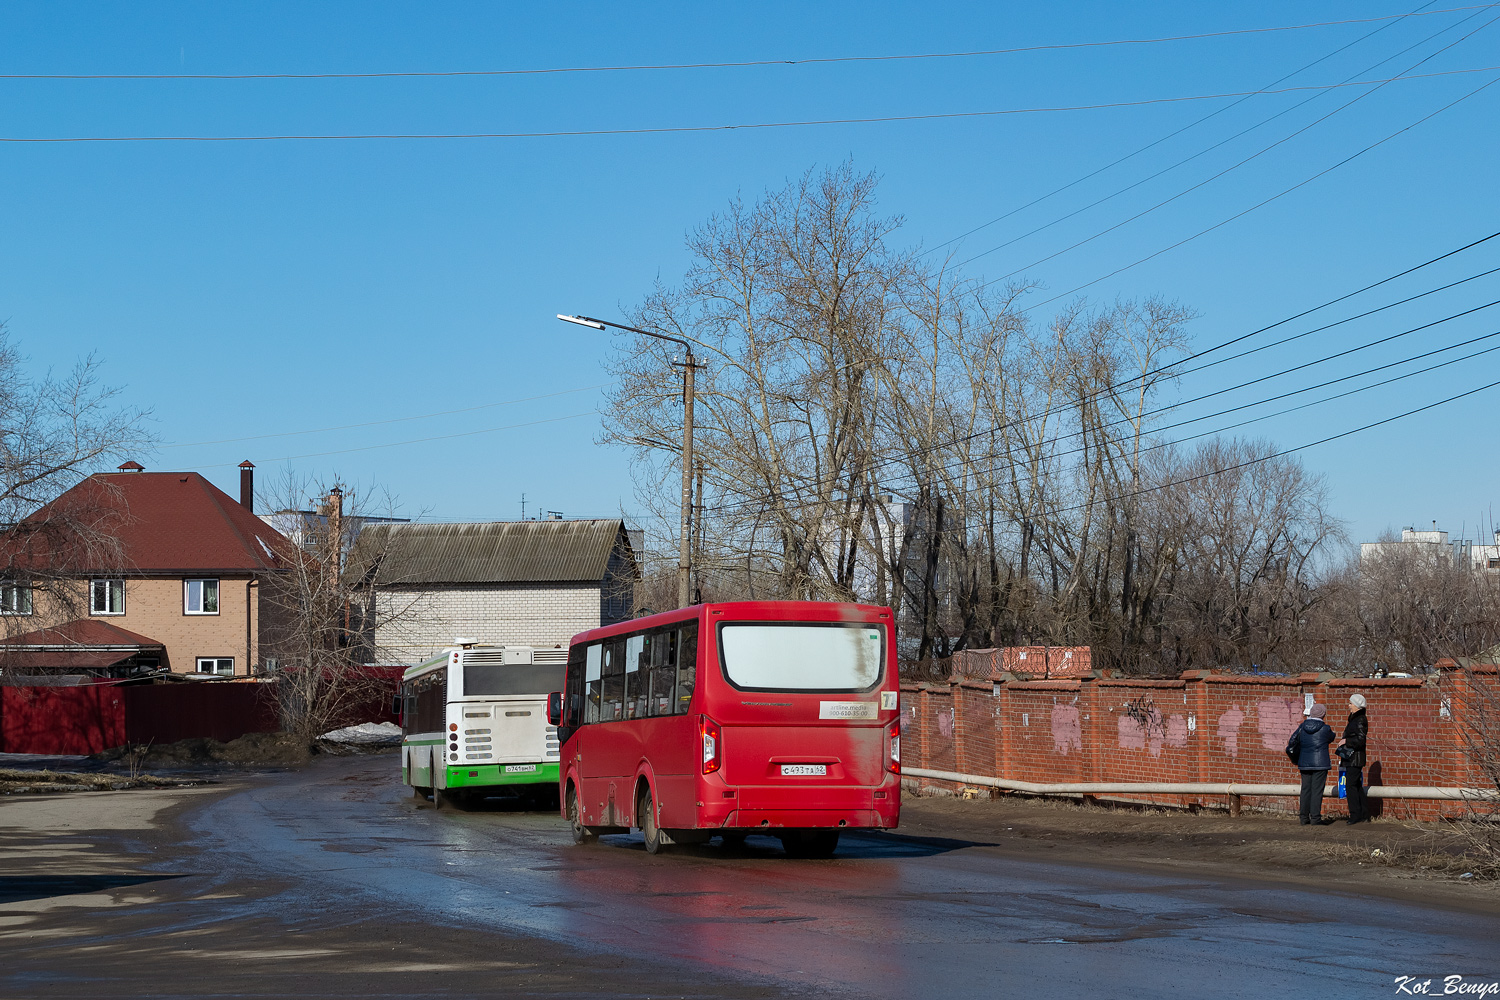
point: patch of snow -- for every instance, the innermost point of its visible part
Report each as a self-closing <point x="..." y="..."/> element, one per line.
<point x="367" y="734"/>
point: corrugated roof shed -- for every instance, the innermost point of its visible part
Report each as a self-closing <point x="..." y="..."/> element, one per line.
<point x="490" y="552"/>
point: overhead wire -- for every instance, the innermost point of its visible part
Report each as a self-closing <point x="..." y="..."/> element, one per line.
<point x="810" y="61"/>
<point x="1172" y="135"/>
<point x="1221" y="345"/>
<point x="748" y="126"/>
<point x="392" y="420"/>
<point x="1222" y="142"/>
<point x="1261" y="204"/>
<point x="398" y="444"/>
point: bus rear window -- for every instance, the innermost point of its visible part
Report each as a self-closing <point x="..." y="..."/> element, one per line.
<point x="801" y="656"/>
<point x="513" y="678"/>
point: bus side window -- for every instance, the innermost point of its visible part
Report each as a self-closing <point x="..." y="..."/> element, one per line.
<point x="612" y="699"/>
<point x="592" y="683"/>
<point x="573" y="687"/>
<point x="687" y="666"/>
<point x="663" y="670"/>
<point x="635" y="700"/>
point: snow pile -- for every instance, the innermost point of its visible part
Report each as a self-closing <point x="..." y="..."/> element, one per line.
<point x="368" y="734"/>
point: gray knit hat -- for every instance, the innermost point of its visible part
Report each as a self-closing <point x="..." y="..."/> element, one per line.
<point x="1318" y="711"/>
<point x="1357" y="700"/>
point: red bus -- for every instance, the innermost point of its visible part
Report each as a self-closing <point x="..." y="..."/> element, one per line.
<point x="770" y="717"/>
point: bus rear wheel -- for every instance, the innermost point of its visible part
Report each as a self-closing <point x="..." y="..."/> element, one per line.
<point x="810" y="843"/>
<point x="581" y="834"/>
<point x="646" y="820"/>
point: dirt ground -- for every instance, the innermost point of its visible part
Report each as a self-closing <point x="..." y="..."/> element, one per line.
<point x="252" y="749"/>
<point x="1386" y="857"/>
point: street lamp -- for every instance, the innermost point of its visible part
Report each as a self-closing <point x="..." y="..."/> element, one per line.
<point x="684" y="556"/>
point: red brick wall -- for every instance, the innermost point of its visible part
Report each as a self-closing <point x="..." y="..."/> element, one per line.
<point x="1198" y="728"/>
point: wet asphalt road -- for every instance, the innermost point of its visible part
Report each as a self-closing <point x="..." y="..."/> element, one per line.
<point x="889" y="916"/>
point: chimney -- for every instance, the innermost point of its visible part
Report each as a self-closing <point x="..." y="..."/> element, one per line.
<point x="335" y="508"/>
<point x="132" y="466"/>
<point x="247" y="485"/>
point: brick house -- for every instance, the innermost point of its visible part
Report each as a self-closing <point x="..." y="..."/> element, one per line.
<point x="524" y="583"/>
<point x="179" y="586"/>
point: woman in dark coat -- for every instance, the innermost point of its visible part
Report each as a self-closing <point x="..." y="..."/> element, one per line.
<point x="1308" y="749"/>
<point x="1352" y="753"/>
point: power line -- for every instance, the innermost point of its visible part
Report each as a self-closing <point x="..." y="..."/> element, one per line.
<point x="398" y="444"/>
<point x="688" y="129"/>
<point x="912" y="475"/>
<point x="1222" y="142"/>
<point x="1171" y="135"/>
<point x="647" y="67"/>
<point x="1163" y="369"/>
<point x="392" y="420"/>
<point x="1263" y="203"/>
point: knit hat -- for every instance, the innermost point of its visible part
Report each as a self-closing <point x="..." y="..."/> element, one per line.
<point x="1318" y="711"/>
<point x="1357" y="700"/>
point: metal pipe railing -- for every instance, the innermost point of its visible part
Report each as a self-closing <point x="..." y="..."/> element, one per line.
<point x="1196" y="787"/>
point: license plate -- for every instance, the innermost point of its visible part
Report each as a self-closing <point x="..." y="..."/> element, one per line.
<point x="792" y="770"/>
<point x="517" y="768"/>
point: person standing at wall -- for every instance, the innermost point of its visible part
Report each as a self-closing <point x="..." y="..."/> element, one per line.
<point x="1351" y="751"/>
<point x="1308" y="749"/>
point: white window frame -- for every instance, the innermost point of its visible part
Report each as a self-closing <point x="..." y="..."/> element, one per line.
<point x="187" y="590"/>
<point x="93" y="596"/>
<point x="217" y="662"/>
<point x="9" y="602"/>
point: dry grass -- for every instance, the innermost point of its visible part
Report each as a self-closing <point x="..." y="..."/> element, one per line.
<point x="15" y="782"/>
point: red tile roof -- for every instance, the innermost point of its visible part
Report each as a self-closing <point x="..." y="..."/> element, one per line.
<point x="82" y="632"/>
<point x="168" y="522"/>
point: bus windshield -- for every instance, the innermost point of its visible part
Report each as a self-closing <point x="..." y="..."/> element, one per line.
<point x="801" y="656"/>
<point x="512" y="678"/>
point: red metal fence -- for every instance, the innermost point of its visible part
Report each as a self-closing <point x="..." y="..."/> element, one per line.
<point x="94" y="717"/>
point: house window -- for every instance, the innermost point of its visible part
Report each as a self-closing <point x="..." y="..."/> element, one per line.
<point x="15" y="599"/>
<point x="107" y="597"/>
<point x="200" y="597"/>
<point x="223" y="665"/>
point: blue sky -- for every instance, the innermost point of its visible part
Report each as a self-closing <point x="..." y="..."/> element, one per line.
<point x="246" y="289"/>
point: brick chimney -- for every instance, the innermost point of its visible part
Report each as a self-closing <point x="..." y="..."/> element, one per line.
<point x="247" y="485"/>
<point x="335" y="508"/>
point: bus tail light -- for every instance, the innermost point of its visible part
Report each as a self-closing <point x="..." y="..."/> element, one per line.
<point x="894" y="764"/>
<point x="712" y="744"/>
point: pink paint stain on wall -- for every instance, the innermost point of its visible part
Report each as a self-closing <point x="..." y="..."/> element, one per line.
<point x="1229" y="730"/>
<point x="1275" y="718"/>
<point x="1177" y="731"/>
<point x="1132" y="736"/>
<point x="1067" y="730"/>
<point x="945" y="723"/>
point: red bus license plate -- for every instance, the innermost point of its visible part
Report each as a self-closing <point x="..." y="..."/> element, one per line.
<point x="790" y="770"/>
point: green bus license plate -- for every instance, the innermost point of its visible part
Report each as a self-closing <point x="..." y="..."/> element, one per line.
<point x="518" y="768"/>
<point x="792" y="770"/>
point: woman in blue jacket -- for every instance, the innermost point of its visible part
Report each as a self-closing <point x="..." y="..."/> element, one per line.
<point x="1308" y="749"/>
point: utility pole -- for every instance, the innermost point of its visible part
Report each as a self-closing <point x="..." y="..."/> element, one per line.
<point x="689" y="364"/>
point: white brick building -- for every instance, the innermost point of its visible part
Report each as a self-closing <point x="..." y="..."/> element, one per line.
<point x="519" y="583"/>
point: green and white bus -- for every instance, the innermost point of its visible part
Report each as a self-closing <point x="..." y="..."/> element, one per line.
<point x="474" y="723"/>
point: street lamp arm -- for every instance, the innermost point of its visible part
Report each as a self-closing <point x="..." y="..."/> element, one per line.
<point x="600" y="324"/>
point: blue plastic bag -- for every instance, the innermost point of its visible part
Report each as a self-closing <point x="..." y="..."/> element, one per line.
<point x="1343" y="791"/>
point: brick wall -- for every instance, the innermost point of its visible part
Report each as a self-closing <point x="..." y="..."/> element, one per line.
<point x="540" y="615"/>
<point x="1198" y="728"/>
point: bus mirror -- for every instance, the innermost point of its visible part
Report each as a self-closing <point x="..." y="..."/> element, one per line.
<point x="396" y="704"/>
<point x="554" y="708"/>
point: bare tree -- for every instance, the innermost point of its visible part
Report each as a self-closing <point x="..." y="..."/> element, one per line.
<point x="321" y="616"/>
<point x="54" y="432"/>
